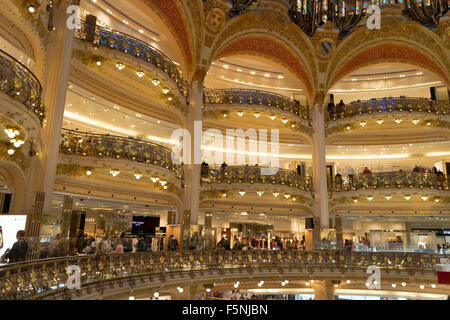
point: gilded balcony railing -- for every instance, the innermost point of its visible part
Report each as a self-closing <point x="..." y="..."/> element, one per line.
<point x="252" y="175"/>
<point x="386" y="105"/>
<point x="104" y="145"/>
<point x="41" y="278"/>
<point x="138" y="48"/>
<point x="20" y="83"/>
<point x="391" y="180"/>
<point x="256" y="97"/>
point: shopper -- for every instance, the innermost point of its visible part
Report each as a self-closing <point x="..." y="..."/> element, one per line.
<point x="173" y="243"/>
<point x="18" y="251"/>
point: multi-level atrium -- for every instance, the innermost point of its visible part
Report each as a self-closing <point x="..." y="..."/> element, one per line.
<point x="251" y="149"/>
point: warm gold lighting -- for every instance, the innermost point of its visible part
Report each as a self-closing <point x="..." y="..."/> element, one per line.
<point x="398" y="120"/>
<point x="120" y="66"/>
<point x="407" y="197"/>
<point x="257" y="115"/>
<point x="348" y="127"/>
<point x="114" y="173"/>
<point x="285" y="121"/>
<point x="240" y="113"/>
<point x="415" y="121"/>
<point x="156" y="82"/>
<point x="242" y="193"/>
<point x="88" y="172"/>
<point x="163" y="182"/>
<point x="380" y="121"/>
<point x="99" y="63"/>
<point x="424" y="198"/>
<point x="355" y="200"/>
<point x="224" y="195"/>
<point x="370" y="198"/>
<point x="388" y="197"/>
<point x="165" y="91"/>
<point x="154" y="179"/>
<point x="272" y="117"/>
<point x="436" y="200"/>
<point x="276" y="194"/>
<point x="138" y="175"/>
<point x="362" y="123"/>
<point x="140" y="74"/>
<point x="11" y="152"/>
<point x="260" y="193"/>
<point x="287" y="196"/>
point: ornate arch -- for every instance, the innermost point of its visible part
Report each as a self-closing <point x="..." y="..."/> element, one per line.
<point x="12" y="175"/>
<point x="175" y="17"/>
<point x="397" y="41"/>
<point x="271" y="49"/>
<point x="276" y="27"/>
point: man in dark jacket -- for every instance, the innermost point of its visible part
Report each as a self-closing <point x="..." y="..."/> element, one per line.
<point x="173" y="243"/>
<point x="19" y="249"/>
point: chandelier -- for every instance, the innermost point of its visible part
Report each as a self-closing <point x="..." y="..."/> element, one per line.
<point x="426" y="12"/>
<point x="348" y="15"/>
<point x="239" y="7"/>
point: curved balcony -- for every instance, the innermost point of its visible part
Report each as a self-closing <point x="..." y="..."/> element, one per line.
<point x="388" y="105"/>
<point x="48" y="278"/>
<point x="271" y="100"/>
<point x="252" y="175"/>
<point x="101" y="146"/>
<point x="392" y="180"/>
<point x="130" y="45"/>
<point x="20" y="83"/>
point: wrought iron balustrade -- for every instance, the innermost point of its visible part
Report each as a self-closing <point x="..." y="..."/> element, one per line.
<point x="138" y="48"/>
<point x="255" y="97"/>
<point x="41" y="278"/>
<point x="385" y="105"/>
<point x="247" y="174"/>
<point x="392" y="180"/>
<point x="104" y="145"/>
<point x="239" y="7"/>
<point x="20" y="83"/>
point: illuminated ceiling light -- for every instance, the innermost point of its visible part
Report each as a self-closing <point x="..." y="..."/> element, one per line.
<point x="424" y="198"/>
<point x="252" y="73"/>
<point x="114" y="173"/>
<point x="99" y="63"/>
<point x="156" y="82"/>
<point x="266" y="75"/>
<point x="156" y="294"/>
<point x="11" y="133"/>
<point x="170" y="98"/>
<point x="380" y="121"/>
<point x="422" y="286"/>
<point x="260" y="193"/>
<point x="348" y="127"/>
<point x="367" y="284"/>
<point x="17" y="143"/>
<point x="398" y="120"/>
<point x="208" y="290"/>
<point x="31" y="9"/>
<point x="312" y="281"/>
<point x="225" y="115"/>
<point x="224" y="195"/>
<point x="239" y="70"/>
<point x="293" y="125"/>
<point x="436" y="200"/>
<point x="236" y="285"/>
<point x="137" y="175"/>
<point x="163" y="182"/>
<point x="407" y="197"/>
<point x="225" y="66"/>
<point x="355" y="200"/>
<point x="287" y="196"/>
<point x="242" y="193"/>
<point x="388" y="197"/>
<point x="88" y="172"/>
<point x="285" y="121"/>
<point x="154" y="179"/>
<point x="283" y="283"/>
<point x="403" y="284"/>
<point x="294" y="199"/>
<point x="280" y="77"/>
<point x="165" y="187"/>
<point x="307" y="283"/>
<point x="433" y="286"/>
<point x="141" y="31"/>
<point x="272" y="117"/>
<point x="165" y="91"/>
<point x="428" y="123"/>
<point x="276" y="194"/>
<point x="11" y="152"/>
<point x="257" y="115"/>
<point x="140" y="74"/>
<point x="240" y="113"/>
<point x="394" y="285"/>
<point x="362" y="123"/>
<point x="370" y="198"/>
<point x="348" y="281"/>
<point x="131" y="298"/>
<point x="180" y="290"/>
<point x="415" y="121"/>
<point x="120" y="66"/>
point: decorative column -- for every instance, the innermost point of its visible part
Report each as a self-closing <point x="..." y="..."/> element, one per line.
<point x="65" y="222"/>
<point x="338" y="227"/>
<point x="58" y="58"/>
<point x="320" y="162"/>
<point x="33" y="228"/>
<point x="193" y="169"/>
<point x="208" y="231"/>
<point x="324" y="290"/>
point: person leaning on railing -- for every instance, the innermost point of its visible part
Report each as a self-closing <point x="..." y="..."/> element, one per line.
<point x="18" y="251"/>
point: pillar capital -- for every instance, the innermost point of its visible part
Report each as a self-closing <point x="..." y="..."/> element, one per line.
<point x="319" y="99"/>
<point x="199" y="75"/>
